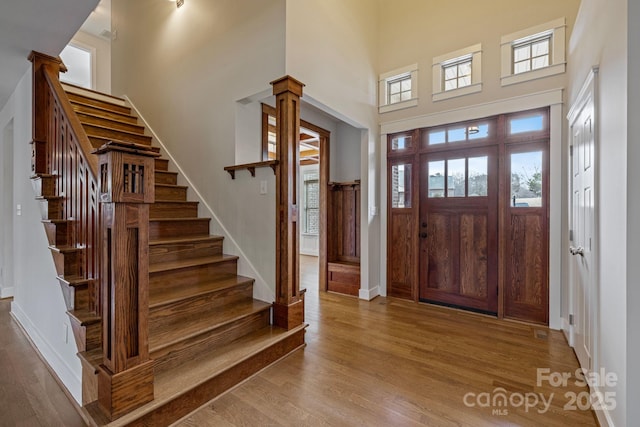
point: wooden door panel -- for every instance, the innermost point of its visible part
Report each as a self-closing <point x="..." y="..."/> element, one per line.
<point x="401" y="266"/>
<point x="473" y="255"/>
<point x="441" y="252"/>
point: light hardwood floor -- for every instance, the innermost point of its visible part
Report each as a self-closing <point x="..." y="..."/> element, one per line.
<point x="381" y="363"/>
<point x="394" y="363"/>
<point x="29" y="394"/>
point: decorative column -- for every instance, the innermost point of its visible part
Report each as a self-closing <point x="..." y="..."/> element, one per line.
<point x="125" y="379"/>
<point x="288" y="309"/>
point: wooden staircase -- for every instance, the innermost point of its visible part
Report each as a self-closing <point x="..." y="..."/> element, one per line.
<point x="206" y="331"/>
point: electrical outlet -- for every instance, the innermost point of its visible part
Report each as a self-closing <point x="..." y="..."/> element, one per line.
<point x="18" y="210"/>
<point x="263" y="187"/>
<point x="373" y="210"/>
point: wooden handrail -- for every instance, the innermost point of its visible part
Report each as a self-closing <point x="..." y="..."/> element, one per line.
<point x="76" y="127"/>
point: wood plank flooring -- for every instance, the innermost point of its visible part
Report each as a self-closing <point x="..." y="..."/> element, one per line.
<point x="29" y="394"/>
<point x="381" y="363"/>
<point x="393" y="363"/>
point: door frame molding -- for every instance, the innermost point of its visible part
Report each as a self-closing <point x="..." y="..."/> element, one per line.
<point x="558" y="231"/>
<point x="588" y="92"/>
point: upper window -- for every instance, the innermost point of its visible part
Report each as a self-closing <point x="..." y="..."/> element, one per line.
<point x="457" y="73"/>
<point x="398" y="89"/>
<point x="80" y="63"/>
<point x="533" y="53"/>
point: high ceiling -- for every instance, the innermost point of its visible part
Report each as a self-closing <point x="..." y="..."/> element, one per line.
<point x="42" y="25"/>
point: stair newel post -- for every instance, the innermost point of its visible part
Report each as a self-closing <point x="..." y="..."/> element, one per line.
<point x="288" y="309"/>
<point x="125" y="379"/>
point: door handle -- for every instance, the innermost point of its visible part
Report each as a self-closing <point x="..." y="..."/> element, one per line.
<point x="423" y="235"/>
<point x="576" y="251"/>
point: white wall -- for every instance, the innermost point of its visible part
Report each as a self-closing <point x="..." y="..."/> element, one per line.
<point x="38" y="302"/>
<point x="633" y="211"/>
<point x="345" y="153"/>
<point x="6" y="209"/>
<point x="600" y="38"/>
<point x="331" y="46"/>
<point x="185" y="69"/>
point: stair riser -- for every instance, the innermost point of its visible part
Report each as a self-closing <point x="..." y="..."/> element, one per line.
<point x="116" y="134"/>
<point x="75" y="297"/>
<point x="68" y="263"/>
<point x="110" y="123"/>
<point x="106" y="114"/>
<point x="56" y="233"/>
<point x="161" y="164"/>
<point x="44" y="186"/>
<point x="51" y="209"/>
<point x="199" y="395"/>
<point x="173" y="210"/>
<point x="171" y="193"/>
<point x="183" y="310"/>
<point x="87" y="337"/>
<point x="174" y="229"/>
<point x="98" y="103"/>
<point x="186" y="276"/>
<point x="179" y="251"/>
<point x="177" y="354"/>
<point x="164" y="177"/>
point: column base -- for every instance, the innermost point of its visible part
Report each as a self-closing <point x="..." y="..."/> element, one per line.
<point x="288" y="316"/>
<point x="119" y="394"/>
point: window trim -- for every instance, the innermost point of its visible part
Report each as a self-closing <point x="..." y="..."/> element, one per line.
<point x="557" y="61"/>
<point x="439" y="62"/>
<point x="383" y="88"/>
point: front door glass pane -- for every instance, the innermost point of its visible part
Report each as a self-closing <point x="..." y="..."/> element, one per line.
<point x="526" y="179"/>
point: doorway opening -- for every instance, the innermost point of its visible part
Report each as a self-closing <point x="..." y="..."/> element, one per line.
<point x="313" y="180"/>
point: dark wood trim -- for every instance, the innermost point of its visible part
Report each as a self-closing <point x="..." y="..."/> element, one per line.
<point x="324" y="148"/>
<point x="251" y="167"/>
<point x="289" y="304"/>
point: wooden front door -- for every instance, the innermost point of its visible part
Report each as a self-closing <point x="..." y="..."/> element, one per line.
<point x="458" y="228"/>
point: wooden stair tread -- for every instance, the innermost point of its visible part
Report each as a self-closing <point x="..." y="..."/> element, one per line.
<point x="185" y="239"/>
<point x="65" y="249"/>
<point x="176" y="201"/>
<point x="192" y="262"/>
<point x="179" y="219"/>
<point x="102" y="112"/>
<point x="164" y="296"/>
<point x="172" y="333"/>
<point x="172" y="186"/>
<point x="104" y="139"/>
<point x="43" y="198"/>
<point x="81" y="91"/>
<point x="124" y="132"/>
<point x="182" y="381"/>
<point x="74" y="280"/>
<point x="102" y="103"/>
<point x="81" y="114"/>
<point x="84" y="317"/>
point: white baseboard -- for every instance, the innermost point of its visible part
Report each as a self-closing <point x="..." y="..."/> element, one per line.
<point x="6" y="292"/>
<point x="369" y="294"/>
<point x="70" y="380"/>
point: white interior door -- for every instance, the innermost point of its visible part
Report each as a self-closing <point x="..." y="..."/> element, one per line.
<point x="582" y="244"/>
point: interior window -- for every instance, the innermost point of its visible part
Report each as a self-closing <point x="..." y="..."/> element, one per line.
<point x="79" y="64"/>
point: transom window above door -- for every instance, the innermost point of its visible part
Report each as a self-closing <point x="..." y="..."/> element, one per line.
<point x="456" y="134"/>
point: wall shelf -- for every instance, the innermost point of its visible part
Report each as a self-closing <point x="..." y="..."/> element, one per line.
<point x="251" y="167"/>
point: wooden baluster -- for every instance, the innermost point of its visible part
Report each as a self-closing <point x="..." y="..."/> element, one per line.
<point x="288" y="309"/>
<point x="125" y="379"/>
